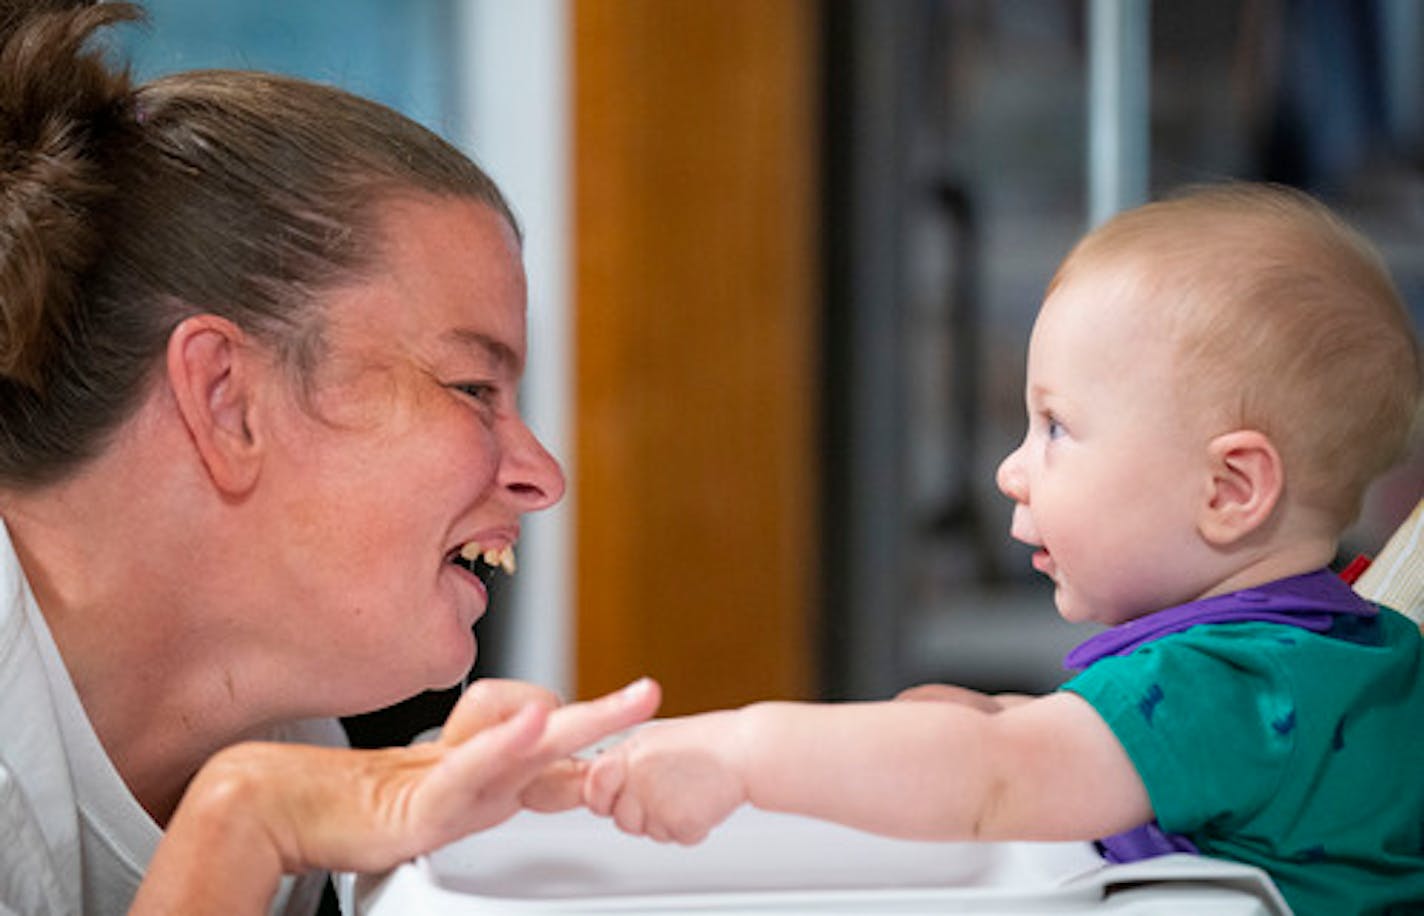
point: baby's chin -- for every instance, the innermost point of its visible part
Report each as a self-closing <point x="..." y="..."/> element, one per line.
<point x="1067" y="607"/>
<point x="1075" y="608"/>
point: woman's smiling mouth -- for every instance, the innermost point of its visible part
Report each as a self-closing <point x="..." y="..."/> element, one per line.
<point x="483" y="561"/>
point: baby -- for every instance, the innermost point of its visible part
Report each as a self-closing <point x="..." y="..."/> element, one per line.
<point x="1212" y="382"/>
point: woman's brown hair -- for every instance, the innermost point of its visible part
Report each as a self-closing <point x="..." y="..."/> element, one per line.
<point x="126" y="208"/>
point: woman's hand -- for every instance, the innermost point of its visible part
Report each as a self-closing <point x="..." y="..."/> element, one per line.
<point x="258" y="810"/>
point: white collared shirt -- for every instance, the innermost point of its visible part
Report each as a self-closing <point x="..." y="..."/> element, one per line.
<point x="76" y="841"/>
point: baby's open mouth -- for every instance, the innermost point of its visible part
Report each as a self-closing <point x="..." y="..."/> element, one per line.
<point x="483" y="561"/>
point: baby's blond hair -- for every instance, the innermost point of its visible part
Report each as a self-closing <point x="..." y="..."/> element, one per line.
<point x="1287" y="322"/>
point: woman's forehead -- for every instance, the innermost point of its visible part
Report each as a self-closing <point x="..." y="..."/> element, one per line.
<point x="484" y="348"/>
<point x="449" y="284"/>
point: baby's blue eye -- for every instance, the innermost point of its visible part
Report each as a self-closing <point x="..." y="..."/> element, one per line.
<point x="1055" y="429"/>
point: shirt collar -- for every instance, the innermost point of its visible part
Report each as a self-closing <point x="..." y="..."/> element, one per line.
<point x="1312" y="601"/>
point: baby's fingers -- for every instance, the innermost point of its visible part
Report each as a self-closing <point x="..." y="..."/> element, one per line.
<point x="629" y="815"/>
<point x="604" y="781"/>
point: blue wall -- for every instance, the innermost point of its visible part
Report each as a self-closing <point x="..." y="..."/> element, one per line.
<point x="399" y="53"/>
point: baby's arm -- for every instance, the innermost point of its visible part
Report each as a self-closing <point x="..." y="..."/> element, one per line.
<point x="1046" y="769"/>
<point x="949" y="693"/>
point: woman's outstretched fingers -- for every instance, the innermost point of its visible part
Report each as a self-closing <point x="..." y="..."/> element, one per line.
<point x="476" y="784"/>
<point x="558" y="787"/>
<point x="522" y="758"/>
<point x="489" y="701"/>
<point x="503" y="746"/>
<point x="578" y="725"/>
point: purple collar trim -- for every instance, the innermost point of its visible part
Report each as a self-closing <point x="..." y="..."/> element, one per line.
<point x="1312" y="601"/>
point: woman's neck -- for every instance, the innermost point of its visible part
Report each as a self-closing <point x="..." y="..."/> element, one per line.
<point x="121" y="584"/>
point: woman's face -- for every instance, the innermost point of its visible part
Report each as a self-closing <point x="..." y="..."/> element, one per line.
<point x="412" y="447"/>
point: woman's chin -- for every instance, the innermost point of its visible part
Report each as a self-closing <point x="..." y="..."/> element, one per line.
<point x="455" y="664"/>
<point x="433" y="671"/>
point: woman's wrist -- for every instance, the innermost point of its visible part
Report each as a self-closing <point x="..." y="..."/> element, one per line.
<point x="218" y="852"/>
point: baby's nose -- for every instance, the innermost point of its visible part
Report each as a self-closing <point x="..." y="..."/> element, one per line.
<point x="1010" y="477"/>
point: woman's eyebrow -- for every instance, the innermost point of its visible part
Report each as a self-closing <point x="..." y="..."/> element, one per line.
<point x="487" y="346"/>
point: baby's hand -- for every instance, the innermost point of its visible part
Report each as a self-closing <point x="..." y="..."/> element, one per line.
<point x="672" y="781"/>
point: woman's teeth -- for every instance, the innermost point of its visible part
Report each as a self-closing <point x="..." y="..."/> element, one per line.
<point x="503" y="557"/>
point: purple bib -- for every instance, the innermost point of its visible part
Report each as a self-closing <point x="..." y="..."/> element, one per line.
<point x="1313" y="601"/>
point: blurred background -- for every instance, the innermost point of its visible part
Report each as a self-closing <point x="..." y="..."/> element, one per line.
<point x="784" y="256"/>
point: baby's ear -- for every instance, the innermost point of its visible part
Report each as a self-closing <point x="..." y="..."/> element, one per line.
<point x="1245" y="484"/>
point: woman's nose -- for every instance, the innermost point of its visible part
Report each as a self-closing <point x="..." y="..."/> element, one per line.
<point x="1010" y="476"/>
<point x="529" y="473"/>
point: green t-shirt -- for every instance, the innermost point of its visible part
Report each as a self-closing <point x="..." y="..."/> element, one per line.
<point x="1298" y="752"/>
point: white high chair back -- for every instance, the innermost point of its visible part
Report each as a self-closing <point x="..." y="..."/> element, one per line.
<point x="1396" y="577"/>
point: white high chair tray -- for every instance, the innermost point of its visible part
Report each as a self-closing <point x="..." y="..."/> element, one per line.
<point x="761" y="863"/>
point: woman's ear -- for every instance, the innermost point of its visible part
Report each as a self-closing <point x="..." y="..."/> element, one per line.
<point x="1246" y="482"/>
<point x="211" y="374"/>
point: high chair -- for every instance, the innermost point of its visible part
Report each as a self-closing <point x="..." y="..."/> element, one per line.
<point x="763" y="863"/>
<point x="1396" y="576"/>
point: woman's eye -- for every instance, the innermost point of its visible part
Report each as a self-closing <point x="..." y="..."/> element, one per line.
<point x="482" y="392"/>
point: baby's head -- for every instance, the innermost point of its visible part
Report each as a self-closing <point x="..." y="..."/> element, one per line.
<point x="1212" y="382"/>
<point x="1283" y="320"/>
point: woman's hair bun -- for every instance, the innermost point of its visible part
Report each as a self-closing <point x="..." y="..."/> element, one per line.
<point x="61" y="107"/>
